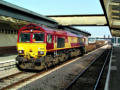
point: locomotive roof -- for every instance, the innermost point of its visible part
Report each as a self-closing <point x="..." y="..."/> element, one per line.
<point x="48" y="30"/>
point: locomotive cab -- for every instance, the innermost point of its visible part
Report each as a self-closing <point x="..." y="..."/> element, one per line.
<point x="31" y="43"/>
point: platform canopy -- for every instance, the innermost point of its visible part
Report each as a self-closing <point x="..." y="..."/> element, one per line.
<point x="111" y="17"/>
<point x="80" y="20"/>
<point x="112" y="8"/>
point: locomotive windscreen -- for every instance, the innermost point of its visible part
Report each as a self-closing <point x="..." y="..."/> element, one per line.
<point x="38" y="37"/>
<point x="60" y="43"/>
<point x="24" y="37"/>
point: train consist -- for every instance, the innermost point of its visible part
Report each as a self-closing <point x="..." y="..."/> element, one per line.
<point x="40" y="47"/>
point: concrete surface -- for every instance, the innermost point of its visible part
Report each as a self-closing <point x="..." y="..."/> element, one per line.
<point x="9" y="57"/>
<point x="114" y="83"/>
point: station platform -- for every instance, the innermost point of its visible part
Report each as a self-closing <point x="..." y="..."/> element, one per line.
<point x="5" y="58"/>
<point x="113" y="77"/>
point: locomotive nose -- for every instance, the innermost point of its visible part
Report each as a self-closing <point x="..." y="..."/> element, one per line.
<point x="30" y="50"/>
<point x="32" y="54"/>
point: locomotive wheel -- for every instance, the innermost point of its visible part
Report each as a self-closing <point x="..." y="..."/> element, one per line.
<point x="82" y="51"/>
<point x="77" y="52"/>
<point x="62" y="57"/>
<point x="67" y="56"/>
<point x="23" y="66"/>
<point x="72" y="54"/>
<point x="49" y="61"/>
<point x="56" y="60"/>
<point x="42" y="65"/>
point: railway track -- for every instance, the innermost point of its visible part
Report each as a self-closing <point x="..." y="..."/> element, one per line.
<point x="7" y="65"/>
<point x="17" y="79"/>
<point x="90" y="78"/>
<point x="14" y="79"/>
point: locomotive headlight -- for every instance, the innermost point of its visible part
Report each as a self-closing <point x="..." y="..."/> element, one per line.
<point x="21" y="51"/>
<point x="41" y="52"/>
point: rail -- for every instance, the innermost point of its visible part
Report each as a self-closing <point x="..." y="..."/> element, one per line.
<point x="101" y="72"/>
<point x="108" y="74"/>
<point x="7" y="65"/>
<point x="82" y="73"/>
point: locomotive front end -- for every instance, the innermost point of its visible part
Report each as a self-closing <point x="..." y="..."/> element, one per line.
<point x="31" y="48"/>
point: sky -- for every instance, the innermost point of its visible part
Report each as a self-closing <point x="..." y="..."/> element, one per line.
<point x="66" y="7"/>
<point x="99" y="31"/>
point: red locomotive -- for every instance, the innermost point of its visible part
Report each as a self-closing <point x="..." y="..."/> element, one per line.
<point x="40" y="47"/>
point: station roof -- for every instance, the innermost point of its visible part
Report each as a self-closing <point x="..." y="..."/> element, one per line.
<point x="112" y="8"/>
<point x="15" y="17"/>
<point x="11" y="10"/>
<point x="80" y="20"/>
<point x="75" y="30"/>
<point x="24" y="10"/>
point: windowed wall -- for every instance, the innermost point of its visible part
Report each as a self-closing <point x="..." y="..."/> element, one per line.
<point x="8" y="37"/>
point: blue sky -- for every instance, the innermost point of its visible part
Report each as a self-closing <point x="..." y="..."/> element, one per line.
<point x="99" y="31"/>
<point x="66" y="7"/>
<point x="63" y="7"/>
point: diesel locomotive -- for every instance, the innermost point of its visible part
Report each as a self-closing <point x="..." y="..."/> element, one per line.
<point x="40" y="47"/>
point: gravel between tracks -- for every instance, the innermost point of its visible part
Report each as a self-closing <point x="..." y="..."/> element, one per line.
<point x="60" y="78"/>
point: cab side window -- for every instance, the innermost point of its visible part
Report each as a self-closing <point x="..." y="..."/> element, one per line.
<point x="49" y="38"/>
